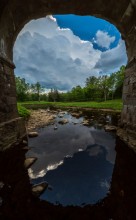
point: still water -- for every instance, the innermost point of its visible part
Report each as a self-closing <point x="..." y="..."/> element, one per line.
<point x="76" y="160"/>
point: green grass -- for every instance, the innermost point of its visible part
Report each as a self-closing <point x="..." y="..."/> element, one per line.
<point x="23" y="112"/>
<point x="110" y="104"/>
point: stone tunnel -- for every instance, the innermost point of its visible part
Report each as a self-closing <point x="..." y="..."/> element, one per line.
<point x="15" y="14"/>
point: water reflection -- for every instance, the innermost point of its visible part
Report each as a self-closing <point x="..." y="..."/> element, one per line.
<point x="18" y="203"/>
<point x="76" y="160"/>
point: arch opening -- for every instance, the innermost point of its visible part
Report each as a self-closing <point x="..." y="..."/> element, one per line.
<point x="70" y="53"/>
<point x="12" y="22"/>
<point x="13" y="16"/>
<point x="60" y="41"/>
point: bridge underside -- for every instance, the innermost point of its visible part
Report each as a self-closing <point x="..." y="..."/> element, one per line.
<point x="15" y="14"/>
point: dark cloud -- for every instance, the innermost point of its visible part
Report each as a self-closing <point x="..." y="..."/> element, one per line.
<point x="112" y="59"/>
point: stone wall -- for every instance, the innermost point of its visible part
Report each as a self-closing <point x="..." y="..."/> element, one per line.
<point x="127" y="132"/>
<point x="8" y="104"/>
<point x="12" y="128"/>
<point x="129" y="97"/>
<point x="15" y="14"/>
<point x="11" y="132"/>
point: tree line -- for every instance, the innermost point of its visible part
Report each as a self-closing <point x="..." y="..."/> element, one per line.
<point x="96" y="89"/>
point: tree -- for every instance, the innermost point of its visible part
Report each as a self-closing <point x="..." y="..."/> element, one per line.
<point x="22" y="89"/>
<point x="119" y="81"/>
<point x="38" y="89"/>
<point x="92" y="88"/>
<point x="77" y="94"/>
<point x="53" y="95"/>
<point x="104" y="85"/>
<point x="112" y="84"/>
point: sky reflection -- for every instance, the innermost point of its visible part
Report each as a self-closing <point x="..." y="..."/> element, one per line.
<point x="77" y="161"/>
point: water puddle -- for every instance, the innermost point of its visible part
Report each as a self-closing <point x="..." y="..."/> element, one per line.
<point x="76" y="160"/>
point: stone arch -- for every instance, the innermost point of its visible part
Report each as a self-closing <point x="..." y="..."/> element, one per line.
<point x="15" y="14"/>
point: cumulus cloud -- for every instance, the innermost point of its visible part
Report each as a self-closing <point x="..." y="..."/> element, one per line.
<point x="103" y="39"/>
<point x="112" y="59"/>
<point x="57" y="58"/>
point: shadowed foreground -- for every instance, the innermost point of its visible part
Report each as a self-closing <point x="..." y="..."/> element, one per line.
<point x="18" y="203"/>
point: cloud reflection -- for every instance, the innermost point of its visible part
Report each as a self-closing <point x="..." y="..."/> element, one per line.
<point x="94" y="151"/>
<point x="51" y="147"/>
<point x="44" y="171"/>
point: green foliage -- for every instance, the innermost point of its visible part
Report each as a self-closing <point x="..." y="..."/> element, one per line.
<point x="53" y="96"/>
<point x="37" y="89"/>
<point x="27" y="92"/>
<point x="23" y="112"/>
<point x="22" y="89"/>
<point x="110" y="104"/>
<point x="102" y="88"/>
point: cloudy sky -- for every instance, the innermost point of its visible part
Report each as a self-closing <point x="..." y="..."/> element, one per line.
<point x="62" y="51"/>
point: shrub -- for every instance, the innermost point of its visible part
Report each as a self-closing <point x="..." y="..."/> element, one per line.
<point x="23" y="112"/>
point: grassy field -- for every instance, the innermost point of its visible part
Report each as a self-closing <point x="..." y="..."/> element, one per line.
<point x="110" y="104"/>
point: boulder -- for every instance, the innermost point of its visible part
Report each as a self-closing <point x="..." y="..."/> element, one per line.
<point x="33" y="134"/>
<point x="29" y="162"/>
<point x="38" y="189"/>
<point x="64" y="121"/>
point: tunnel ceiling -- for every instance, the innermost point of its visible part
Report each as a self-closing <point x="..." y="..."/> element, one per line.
<point x="15" y="14"/>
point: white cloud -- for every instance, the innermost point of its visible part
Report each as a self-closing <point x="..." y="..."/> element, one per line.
<point x="112" y="59"/>
<point x="103" y="39"/>
<point x="57" y="58"/>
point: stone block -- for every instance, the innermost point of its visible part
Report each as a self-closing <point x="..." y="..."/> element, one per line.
<point x="11" y="132"/>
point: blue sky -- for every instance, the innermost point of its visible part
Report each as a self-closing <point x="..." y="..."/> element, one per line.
<point x="86" y="27"/>
<point x="61" y="51"/>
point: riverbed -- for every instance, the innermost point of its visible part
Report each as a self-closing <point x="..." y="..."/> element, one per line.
<point x="75" y="158"/>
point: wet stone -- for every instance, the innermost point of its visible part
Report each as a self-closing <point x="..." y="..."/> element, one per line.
<point x="33" y="134"/>
<point x="64" y="121"/>
<point x="29" y="162"/>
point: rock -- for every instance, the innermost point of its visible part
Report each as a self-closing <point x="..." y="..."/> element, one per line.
<point x="127" y="137"/>
<point x="110" y="128"/>
<point x="60" y="116"/>
<point x="26" y="148"/>
<point x="52" y="117"/>
<point x="33" y="134"/>
<point x="55" y="127"/>
<point x="76" y="114"/>
<point x="86" y="122"/>
<point x="42" y="111"/>
<point x="64" y="121"/>
<point x="63" y="113"/>
<point x="38" y="189"/>
<point x="29" y="162"/>
<point x="25" y="142"/>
